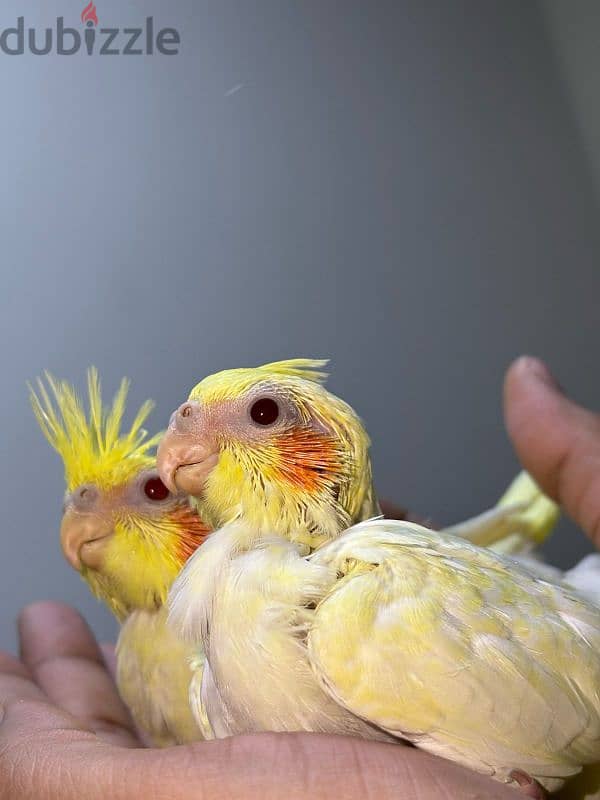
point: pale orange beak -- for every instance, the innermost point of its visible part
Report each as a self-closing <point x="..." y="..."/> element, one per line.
<point x="183" y="464"/>
<point x="185" y="456"/>
<point x="83" y="538"/>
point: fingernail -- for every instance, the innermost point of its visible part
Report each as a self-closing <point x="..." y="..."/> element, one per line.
<point x="537" y="368"/>
<point x="520" y="777"/>
<point x="529" y="786"/>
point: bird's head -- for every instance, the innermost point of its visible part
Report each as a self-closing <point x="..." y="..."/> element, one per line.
<point x="272" y="447"/>
<point x="122" y="529"/>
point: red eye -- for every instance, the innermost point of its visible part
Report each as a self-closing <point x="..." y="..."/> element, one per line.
<point x="265" y="411"/>
<point x="154" y="489"/>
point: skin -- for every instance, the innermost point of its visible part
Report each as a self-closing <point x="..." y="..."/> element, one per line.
<point x="64" y="733"/>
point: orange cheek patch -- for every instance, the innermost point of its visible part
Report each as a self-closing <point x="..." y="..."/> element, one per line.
<point x="192" y="532"/>
<point x="307" y="460"/>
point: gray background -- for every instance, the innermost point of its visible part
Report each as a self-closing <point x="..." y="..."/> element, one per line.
<point x="405" y="187"/>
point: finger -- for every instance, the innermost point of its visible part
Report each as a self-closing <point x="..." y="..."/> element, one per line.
<point x="25" y="711"/>
<point x="259" y="767"/>
<point x="16" y="681"/>
<point x="297" y="766"/>
<point x="62" y="654"/>
<point x="557" y="441"/>
<point x="110" y="658"/>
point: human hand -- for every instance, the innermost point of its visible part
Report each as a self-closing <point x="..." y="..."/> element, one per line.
<point x="65" y="734"/>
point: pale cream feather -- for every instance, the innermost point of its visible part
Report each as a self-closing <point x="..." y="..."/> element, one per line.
<point x="394" y="630"/>
<point x="464" y="653"/>
<point x="254" y="598"/>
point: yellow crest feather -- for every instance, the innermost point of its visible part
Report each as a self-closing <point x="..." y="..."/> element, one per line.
<point x="92" y="446"/>
<point x="309" y="369"/>
<point x="233" y="382"/>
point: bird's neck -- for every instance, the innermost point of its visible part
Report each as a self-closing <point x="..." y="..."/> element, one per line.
<point x="144" y="559"/>
<point x="236" y="493"/>
<point x="267" y="511"/>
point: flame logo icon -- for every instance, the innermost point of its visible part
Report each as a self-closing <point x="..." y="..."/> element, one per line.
<point x="89" y="15"/>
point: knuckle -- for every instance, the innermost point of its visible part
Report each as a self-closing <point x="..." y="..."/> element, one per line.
<point x="19" y="709"/>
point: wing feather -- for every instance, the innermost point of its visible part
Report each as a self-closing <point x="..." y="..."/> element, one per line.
<point x="460" y="650"/>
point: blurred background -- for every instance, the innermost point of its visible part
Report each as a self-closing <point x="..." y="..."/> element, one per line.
<point x="407" y="188"/>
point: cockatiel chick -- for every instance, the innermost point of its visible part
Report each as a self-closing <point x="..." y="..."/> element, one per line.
<point x="128" y="536"/>
<point x="386" y="630"/>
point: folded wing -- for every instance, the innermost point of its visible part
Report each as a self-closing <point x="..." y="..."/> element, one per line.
<point x="460" y="650"/>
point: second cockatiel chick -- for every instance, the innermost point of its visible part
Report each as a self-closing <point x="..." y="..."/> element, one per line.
<point x="388" y="630"/>
<point x="128" y="536"/>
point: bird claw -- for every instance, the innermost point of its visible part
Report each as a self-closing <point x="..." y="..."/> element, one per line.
<point x="527" y="785"/>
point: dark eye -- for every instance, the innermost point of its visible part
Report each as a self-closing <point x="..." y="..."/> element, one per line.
<point x="154" y="489"/>
<point x="264" y="411"/>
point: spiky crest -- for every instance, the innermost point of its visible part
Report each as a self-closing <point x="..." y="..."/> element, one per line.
<point x="92" y="446"/>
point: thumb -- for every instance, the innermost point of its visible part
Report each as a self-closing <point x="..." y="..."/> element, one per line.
<point x="557" y="441"/>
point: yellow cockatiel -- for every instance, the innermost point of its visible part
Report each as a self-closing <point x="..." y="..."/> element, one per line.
<point x="128" y="536"/>
<point x="386" y="630"/>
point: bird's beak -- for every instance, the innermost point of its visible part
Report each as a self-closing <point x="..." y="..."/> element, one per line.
<point x="185" y="456"/>
<point x="83" y="538"/>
